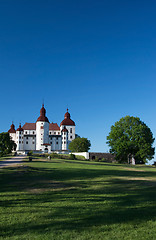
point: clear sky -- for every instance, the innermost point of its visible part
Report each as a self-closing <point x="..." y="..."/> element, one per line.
<point x="96" y="57"/>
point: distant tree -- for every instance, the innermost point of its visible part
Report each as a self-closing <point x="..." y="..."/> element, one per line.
<point x="6" y="144"/>
<point x="79" y="145"/>
<point x="130" y="137"/>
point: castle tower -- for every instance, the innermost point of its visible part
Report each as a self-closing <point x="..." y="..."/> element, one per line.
<point x="19" y="138"/>
<point x="12" y="132"/>
<point x="69" y="125"/>
<point x="42" y="130"/>
<point x="64" y="133"/>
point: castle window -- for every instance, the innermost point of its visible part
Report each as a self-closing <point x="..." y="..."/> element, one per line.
<point x="50" y="133"/>
<point x="50" y="142"/>
<point x="56" y="142"/>
<point x="71" y="137"/>
<point x="26" y="137"/>
<point x="33" y="132"/>
<point x="57" y="138"/>
<point x="58" y="133"/>
<point x="33" y="143"/>
<point x="71" y="130"/>
<point x="26" y="132"/>
<point x="26" y="142"/>
<point x="19" y="141"/>
<point x="19" y="137"/>
<point x="64" y="142"/>
<point x="54" y="132"/>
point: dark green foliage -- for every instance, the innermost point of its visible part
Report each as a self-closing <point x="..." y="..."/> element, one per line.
<point x="54" y="155"/>
<point x="30" y="153"/>
<point x="79" y="145"/>
<point x="130" y="136"/>
<point x="72" y="156"/>
<point x="6" y="144"/>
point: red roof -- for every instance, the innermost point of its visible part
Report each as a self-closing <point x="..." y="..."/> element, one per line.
<point x="12" y="129"/>
<point x="42" y="116"/>
<point x="29" y="126"/>
<point x="67" y="121"/>
<point x="19" y="129"/>
<point x="46" y="144"/>
<point x="54" y="127"/>
<point x="64" y="129"/>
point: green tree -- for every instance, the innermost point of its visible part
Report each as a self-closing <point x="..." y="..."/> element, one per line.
<point x="131" y="137"/>
<point x="80" y="145"/>
<point x="6" y="144"/>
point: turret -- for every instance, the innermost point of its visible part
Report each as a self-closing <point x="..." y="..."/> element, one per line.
<point x="64" y="133"/>
<point x="69" y="124"/>
<point x="42" y="130"/>
<point x="12" y="132"/>
<point x="19" y="138"/>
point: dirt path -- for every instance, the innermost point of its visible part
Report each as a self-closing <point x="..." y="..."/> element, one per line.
<point x="12" y="161"/>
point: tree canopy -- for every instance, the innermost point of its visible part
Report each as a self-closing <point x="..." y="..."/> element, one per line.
<point x="6" y="144"/>
<point x="131" y="137"/>
<point x="79" y="145"/>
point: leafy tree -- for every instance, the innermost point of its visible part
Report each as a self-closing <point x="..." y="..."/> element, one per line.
<point x="131" y="137"/>
<point x="6" y="144"/>
<point x="80" y="145"/>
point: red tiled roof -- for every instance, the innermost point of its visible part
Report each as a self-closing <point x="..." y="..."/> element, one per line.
<point x="64" y="129"/>
<point x="20" y="128"/>
<point x="42" y="116"/>
<point x="67" y="121"/>
<point x="12" y="129"/>
<point x="54" y="127"/>
<point x="29" y="126"/>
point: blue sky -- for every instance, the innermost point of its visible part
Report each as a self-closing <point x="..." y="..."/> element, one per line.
<point x="96" y="57"/>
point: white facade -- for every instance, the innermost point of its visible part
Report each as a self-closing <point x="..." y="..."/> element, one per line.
<point x="44" y="136"/>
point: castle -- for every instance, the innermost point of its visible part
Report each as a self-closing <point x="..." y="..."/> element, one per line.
<point x="44" y="136"/>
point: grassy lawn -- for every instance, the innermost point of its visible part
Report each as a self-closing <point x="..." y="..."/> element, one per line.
<point x="6" y="157"/>
<point x="80" y="200"/>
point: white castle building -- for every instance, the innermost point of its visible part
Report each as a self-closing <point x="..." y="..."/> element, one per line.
<point x="44" y="136"/>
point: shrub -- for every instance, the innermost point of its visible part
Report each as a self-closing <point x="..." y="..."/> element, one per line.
<point x="54" y="155"/>
<point x="79" y="157"/>
<point x="72" y="157"/>
<point x="30" y="153"/>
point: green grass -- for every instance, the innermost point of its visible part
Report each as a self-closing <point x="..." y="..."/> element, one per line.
<point x="6" y="157"/>
<point x="80" y="200"/>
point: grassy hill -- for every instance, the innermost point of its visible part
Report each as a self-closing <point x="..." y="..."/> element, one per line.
<point x="80" y="200"/>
